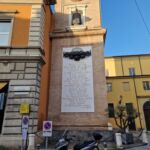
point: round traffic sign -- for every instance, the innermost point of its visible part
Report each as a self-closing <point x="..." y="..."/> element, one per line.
<point x="47" y="125"/>
<point x="25" y="120"/>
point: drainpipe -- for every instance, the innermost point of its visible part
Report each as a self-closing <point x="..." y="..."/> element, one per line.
<point x="133" y="77"/>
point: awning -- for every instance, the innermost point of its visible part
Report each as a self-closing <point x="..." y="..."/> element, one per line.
<point x="2" y="84"/>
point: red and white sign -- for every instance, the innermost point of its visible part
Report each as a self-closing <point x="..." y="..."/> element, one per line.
<point x="47" y="128"/>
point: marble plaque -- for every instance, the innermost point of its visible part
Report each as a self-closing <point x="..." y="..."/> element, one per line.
<point x="77" y="80"/>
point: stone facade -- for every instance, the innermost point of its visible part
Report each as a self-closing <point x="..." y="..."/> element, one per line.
<point x="21" y="69"/>
<point x="36" y="33"/>
<point x="21" y="64"/>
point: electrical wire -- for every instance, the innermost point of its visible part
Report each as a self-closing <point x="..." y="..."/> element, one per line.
<point x="142" y="17"/>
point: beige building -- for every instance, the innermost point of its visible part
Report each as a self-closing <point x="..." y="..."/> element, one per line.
<point x="77" y="86"/>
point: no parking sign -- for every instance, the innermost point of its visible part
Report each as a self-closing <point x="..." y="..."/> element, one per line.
<point x="25" y="125"/>
<point x="25" y="122"/>
<point x="47" y="128"/>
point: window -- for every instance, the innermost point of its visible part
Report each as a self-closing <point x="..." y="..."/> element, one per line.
<point x="129" y="108"/>
<point x="126" y="86"/>
<point x="131" y="71"/>
<point x="109" y="87"/>
<point x="5" y="29"/>
<point x="146" y="85"/>
<point x="111" y="111"/>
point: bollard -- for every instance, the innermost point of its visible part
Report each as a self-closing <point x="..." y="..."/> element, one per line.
<point x="144" y="137"/>
<point x="118" y="140"/>
<point x="127" y="130"/>
<point x="38" y="146"/>
<point x="31" y="142"/>
<point x="110" y="128"/>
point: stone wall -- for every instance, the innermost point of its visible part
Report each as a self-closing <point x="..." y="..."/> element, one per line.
<point x="23" y="73"/>
<point x="37" y="22"/>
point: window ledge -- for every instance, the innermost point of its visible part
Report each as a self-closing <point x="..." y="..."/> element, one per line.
<point x="8" y="11"/>
<point x="79" y="27"/>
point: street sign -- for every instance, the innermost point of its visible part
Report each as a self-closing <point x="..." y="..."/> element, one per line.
<point x="24" y="130"/>
<point x="25" y="122"/>
<point x="24" y="108"/>
<point x="47" y="128"/>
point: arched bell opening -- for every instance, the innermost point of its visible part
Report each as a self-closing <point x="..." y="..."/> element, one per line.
<point x="76" y="18"/>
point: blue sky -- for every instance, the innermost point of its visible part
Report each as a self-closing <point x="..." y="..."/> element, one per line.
<point x="126" y="32"/>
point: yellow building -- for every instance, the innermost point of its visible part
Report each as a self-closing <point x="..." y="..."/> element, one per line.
<point x="129" y="76"/>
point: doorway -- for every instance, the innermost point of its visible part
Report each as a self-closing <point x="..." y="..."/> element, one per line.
<point x="146" y="108"/>
<point x="3" y="97"/>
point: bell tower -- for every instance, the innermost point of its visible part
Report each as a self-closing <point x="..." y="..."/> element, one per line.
<point x="77" y="97"/>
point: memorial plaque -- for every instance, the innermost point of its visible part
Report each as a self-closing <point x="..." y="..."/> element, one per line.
<point x="77" y="80"/>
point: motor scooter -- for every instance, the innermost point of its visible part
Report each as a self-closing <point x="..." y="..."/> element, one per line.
<point x="63" y="143"/>
<point x="90" y="145"/>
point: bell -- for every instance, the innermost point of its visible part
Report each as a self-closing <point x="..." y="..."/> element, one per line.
<point x="76" y="18"/>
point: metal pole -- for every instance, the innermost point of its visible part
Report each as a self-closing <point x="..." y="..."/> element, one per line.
<point x="23" y="145"/>
<point x="46" y="143"/>
<point x="137" y="102"/>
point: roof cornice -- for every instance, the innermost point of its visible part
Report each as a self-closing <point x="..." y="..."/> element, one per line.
<point x="47" y="2"/>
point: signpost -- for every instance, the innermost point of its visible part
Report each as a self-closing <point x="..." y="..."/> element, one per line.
<point x="47" y="131"/>
<point x="25" y="125"/>
<point x="25" y="122"/>
<point x="24" y="111"/>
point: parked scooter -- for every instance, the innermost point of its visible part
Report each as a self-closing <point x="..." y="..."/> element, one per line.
<point x="90" y="145"/>
<point x="63" y="143"/>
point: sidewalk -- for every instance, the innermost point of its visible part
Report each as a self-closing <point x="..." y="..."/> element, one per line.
<point x="146" y="147"/>
<point x="139" y="146"/>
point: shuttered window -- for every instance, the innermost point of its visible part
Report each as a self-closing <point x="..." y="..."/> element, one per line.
<point x="111" y="111"/>
<point x="132" y="71"/>
<point x="146" y="85"/>
<point x="129" y="108"/>
<point x="109" y="87"/>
